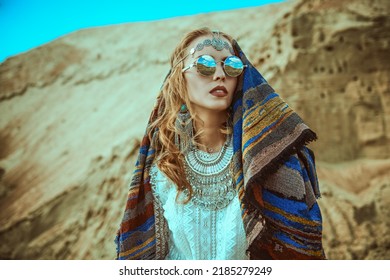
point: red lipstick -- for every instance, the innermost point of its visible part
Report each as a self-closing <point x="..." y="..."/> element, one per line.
<point x="219" y="91"/>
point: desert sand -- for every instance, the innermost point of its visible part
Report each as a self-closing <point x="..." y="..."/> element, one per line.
<point x="72" y="113"/>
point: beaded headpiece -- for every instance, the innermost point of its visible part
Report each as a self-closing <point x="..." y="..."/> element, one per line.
<point x="217" y="43"/>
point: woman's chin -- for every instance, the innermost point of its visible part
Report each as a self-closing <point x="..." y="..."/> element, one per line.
<point x="217" y="107"/>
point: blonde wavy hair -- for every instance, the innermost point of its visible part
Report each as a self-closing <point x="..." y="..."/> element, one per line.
<point x="173" y="95"/>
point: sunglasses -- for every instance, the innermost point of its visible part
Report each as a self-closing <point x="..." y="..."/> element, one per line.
<point x="206" y="65"/>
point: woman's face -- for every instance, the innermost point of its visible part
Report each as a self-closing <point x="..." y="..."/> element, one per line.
<point x="202" y="89"/>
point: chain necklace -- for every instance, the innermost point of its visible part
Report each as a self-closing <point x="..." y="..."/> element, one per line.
<point x="210" y="177"/>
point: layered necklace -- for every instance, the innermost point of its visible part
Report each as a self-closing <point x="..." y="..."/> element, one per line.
<point x="210" y="177"/>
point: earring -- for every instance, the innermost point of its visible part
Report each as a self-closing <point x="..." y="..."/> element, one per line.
<point x="183" y="129"/>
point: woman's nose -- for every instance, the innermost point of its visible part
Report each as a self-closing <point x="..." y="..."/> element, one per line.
<point x="219" y="73"/>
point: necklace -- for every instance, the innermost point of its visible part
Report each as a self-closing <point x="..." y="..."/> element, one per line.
<point x="210" y="177"/>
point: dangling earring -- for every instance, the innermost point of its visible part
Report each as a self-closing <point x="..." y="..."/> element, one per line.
<point x="184" y="129"/>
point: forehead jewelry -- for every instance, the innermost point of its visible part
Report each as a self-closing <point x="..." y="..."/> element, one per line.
<point x="217" y="43"/>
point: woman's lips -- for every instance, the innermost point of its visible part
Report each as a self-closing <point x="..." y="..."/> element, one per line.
<point x="219" y="91"/>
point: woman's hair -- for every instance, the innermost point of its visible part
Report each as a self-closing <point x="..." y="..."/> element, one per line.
<point x="173" y="94"/>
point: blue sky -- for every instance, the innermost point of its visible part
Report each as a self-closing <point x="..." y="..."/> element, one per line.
<point x="26" y="24"/>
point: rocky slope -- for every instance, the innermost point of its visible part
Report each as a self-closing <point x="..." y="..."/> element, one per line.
<point x="73" y="112"/>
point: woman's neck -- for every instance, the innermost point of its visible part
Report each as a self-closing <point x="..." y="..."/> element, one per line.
<point x="212" y="138"/>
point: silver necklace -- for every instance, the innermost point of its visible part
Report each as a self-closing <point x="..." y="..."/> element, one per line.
<point x="210" y="177"/>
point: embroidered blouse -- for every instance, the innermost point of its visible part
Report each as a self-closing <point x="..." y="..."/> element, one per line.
<point x="196" y="233"/>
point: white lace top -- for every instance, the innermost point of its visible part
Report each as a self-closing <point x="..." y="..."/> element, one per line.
<point x="196" y="233"/>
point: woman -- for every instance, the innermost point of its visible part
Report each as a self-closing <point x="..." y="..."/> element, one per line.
<point x="223" y="171"/>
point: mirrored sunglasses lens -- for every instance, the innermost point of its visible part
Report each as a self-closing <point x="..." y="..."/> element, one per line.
<point x="233" y="66"/>
<point x="206" y="65"/>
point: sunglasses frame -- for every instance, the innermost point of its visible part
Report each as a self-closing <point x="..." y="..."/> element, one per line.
<point x="216" y="62"/>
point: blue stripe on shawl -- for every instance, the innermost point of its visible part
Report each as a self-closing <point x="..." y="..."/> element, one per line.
<point x="143" y="228"/>
<point x="286" y="239"/>
<point x="143" y="150"/>
<point x="293" y="207"/>
<point x="237" y="128"/>
<point x="239" y="179"/>
<point x="138" y="170"/>
<point x="237" y="104"/>
<point x="285" y="107"/>
<point x="249" y="103"/>
<point x="311" y="169"/>
<point x="151" y="152"/>
<point x="310" y="162"/>
<point x="294" y="163"/>
<point x="308" y="155"/>
<point x="140" y="250"/>
<point x="269" y="97"/>
<point x="291" y="224"/>
<point x="251" y="77"/>
<point x="305" y="176"/>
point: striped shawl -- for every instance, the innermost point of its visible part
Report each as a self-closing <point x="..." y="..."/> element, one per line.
<point x="274" y="175"/>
